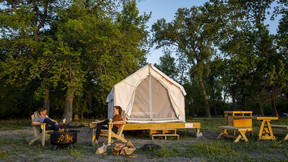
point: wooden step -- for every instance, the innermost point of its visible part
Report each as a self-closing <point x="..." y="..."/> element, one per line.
<point x="162" y="131"/>
<point x="165" y="136"/>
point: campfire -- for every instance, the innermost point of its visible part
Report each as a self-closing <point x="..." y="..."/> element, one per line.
<point x="63" y="138"/>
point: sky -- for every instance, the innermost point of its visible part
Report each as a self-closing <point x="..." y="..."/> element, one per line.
<point x="166" y="9"/>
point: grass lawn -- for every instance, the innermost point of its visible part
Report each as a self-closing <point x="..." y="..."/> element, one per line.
<point x="15" y="135"/>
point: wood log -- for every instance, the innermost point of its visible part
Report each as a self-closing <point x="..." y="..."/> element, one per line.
<point x="129" y="151"/>
<point x="122" y="152"/>
<point x="101" y="150"/>
<point x="130" y="145"/>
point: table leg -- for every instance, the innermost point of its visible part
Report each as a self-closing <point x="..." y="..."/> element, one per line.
<point x="238" y="138"/>
<point x="243" y="135"/>
<point x="261" y="130"/>
<point x="267" y="130"/>
<point x="270" y="130"/>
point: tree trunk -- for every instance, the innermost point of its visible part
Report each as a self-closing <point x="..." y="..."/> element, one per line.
<point x="261" y="108"/>
<point x="213" y="100"/>
<point x="205" y="99"/>
<point x="46" y="103"/>
<point x="273" y="102"/>
<point x="232" y="91"/>
<point x="77" y="105"/>
<point x="68" y="111"/>
<point x="245" y="103"/>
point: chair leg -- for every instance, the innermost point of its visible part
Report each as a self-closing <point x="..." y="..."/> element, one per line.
<point x="43" y="139"/>
<point x="93" y="135"/>
<point x="35" y="139"/>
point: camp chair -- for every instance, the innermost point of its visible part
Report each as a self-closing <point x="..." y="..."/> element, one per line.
<point x="39" y="135"/>
<point x="109" y="134"/>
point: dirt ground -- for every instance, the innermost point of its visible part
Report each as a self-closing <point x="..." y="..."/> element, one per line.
<point x="18" y="149"/>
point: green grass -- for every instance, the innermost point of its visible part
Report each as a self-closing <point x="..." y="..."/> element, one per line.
<point x="206" y="149"/>
<point x="13" y="125"/>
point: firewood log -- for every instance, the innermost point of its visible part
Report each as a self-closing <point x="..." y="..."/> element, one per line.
<point x="129" y="151"/>
<point x="130" y="145"/>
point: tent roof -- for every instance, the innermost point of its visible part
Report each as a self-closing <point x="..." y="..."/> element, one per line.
<point x="135" y="79"/>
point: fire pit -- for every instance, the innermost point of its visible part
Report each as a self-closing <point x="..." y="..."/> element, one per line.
<point x="65" y="138"/>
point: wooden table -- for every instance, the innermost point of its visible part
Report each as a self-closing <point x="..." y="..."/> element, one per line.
<point x="265" y="131"/>
<point x="238" y="118"/>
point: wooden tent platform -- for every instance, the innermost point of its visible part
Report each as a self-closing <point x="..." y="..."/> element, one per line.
<point x="186" y="125"/>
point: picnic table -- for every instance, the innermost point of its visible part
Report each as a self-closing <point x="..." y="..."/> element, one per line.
<point x="265" y="131"/>
<point x="241" y="121"/>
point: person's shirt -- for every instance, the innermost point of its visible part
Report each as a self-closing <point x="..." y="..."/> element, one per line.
<point x="39" y="119"/>
<point x="117" y="118"/>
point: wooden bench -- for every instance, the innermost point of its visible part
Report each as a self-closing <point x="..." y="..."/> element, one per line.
<point x="285" y="127"/>
<point x="241" y="130"/>
<point x="163" y="133"/>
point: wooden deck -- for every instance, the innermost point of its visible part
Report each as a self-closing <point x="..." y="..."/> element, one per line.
<point x="186" y="125"/>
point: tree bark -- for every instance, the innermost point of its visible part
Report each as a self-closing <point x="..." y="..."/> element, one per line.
<point x="261" y="108"/>
<point x="68" y="111"/>
<point x="213" y="99"/>
<point x="207" y="109"/>
<point x="273" y="103"/>
<point x="232" y="91"/>
<point x="46" y="103"/>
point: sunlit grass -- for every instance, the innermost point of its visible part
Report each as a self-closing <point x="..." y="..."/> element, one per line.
<point x="205" y="149"/>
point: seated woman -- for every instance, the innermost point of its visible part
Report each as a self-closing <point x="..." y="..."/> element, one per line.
<point x="117" y="110"/>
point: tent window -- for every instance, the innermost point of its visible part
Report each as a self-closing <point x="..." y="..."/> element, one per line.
<point x="159" y="100"/>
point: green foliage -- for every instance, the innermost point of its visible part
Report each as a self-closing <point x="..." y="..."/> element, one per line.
<point x="83" y="40"/>
<point x="3" y="154"/>
<point x="168" y="65"/>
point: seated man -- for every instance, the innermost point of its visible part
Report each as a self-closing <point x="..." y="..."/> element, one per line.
<point x="117" y="117"/>
<point x="50" y="123"/>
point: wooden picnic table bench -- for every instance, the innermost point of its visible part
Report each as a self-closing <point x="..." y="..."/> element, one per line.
<point x="285" y="127"/>
<point x="241" y="130"/>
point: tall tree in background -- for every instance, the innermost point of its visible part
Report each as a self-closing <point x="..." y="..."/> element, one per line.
<point x="23" y="25"/>
<point x="92" y="40"/>
<point x="168" y="65"/>
<point x="192" y="32"/>
<point x="249" y="45"/>
<point x="92" y="44"/>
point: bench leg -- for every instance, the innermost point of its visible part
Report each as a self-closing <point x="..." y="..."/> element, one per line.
<point x="286" y="137"/>
<point x="224" y="131"/>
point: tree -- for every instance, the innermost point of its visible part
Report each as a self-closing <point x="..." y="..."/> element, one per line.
<point x="89" y="43"/>
<point x="168" y="65"/>
<point x="192" y="32"/>
<point x="23" y="25"/>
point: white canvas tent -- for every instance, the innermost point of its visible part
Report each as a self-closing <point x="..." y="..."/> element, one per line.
<point x="148" y="96"/>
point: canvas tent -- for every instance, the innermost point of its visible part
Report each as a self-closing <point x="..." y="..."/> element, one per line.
<point x="148" y="96"/>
